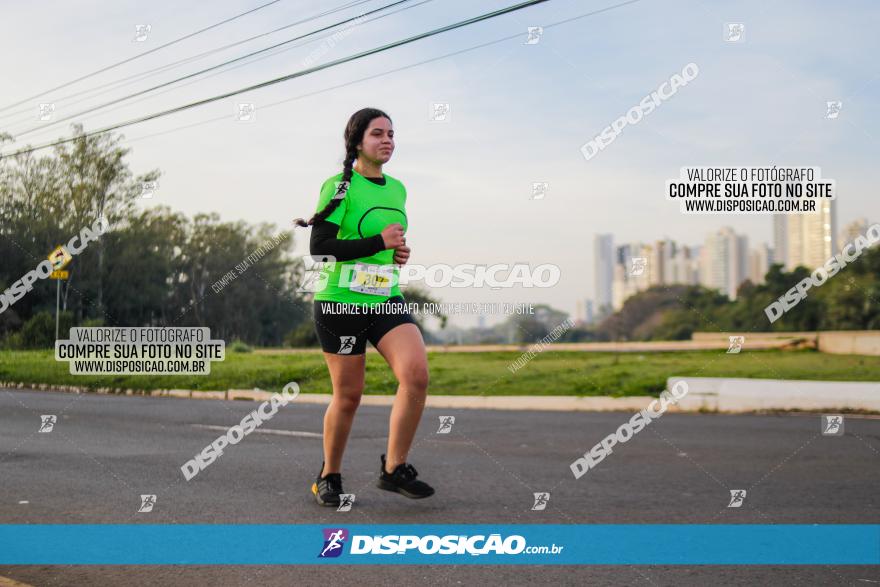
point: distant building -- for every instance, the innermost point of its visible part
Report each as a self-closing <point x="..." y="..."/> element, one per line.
<point x="760" y="260"/>
<point x="724" y="261"/>
<point x="849" y="233"/>
<point x="603" y="269"/>
<point x="633" y="272"/>
<point x="780" y="239"/>
<point x="807" y="239"/>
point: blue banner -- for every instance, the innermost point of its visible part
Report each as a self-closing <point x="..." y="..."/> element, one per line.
<point x="482" y="544"/>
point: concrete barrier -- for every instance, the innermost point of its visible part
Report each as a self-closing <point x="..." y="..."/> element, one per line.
<point x="850" y="342"/>
<point x="837" y="342"/>
<point x="745" y="395"/>
<point x="724" y="336"/>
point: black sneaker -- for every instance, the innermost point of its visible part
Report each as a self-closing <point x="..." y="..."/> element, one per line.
<point x="327" y="489"/>
<point x="403" y="481"/>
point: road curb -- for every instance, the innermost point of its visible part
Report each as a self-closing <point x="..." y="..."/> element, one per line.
<point x="562" y="403"/>
<point x="703" y="397"/>
<point x="735" y="394"/>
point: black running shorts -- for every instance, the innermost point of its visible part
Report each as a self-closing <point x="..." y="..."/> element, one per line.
<point x="345" y="328"/>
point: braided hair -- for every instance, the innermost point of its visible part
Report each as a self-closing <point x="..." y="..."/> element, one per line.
<point x="353" y="135"/>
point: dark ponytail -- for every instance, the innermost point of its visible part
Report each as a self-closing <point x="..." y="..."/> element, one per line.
<point x="353" y="135"/>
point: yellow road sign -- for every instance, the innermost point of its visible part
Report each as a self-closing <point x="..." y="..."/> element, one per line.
<point x="60" y="258"/>
<point x="59" y="275"/>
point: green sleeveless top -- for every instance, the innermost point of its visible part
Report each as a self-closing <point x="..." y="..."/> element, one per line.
<point x="364" y="212"/>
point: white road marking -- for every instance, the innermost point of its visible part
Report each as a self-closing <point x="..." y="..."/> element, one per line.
<point x="265" y="431"/>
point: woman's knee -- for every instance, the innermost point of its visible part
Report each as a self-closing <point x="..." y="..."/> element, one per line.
<point x="348" y="399"/>
<point x="415" y="378"/>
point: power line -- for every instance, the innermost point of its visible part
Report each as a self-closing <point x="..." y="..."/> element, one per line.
<point x="324" y="66"/>
<point x="196" y="57"/>
<point x="138" y="56"/>
<point x="307" y="71"/>
<point x="384" y="73"/>
<point x="267" y="56"/>
<point x="212" y="68"/>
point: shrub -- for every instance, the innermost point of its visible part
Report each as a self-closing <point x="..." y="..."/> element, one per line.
<point x="239" y="346"/>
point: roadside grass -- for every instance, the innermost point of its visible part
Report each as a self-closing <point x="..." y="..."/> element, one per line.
<point x="551" y="372"/>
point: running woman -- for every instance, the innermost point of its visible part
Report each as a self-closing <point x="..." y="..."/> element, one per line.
<point x="361" y="220"/>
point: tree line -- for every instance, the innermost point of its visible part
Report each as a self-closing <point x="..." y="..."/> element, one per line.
<point x="850" y="300"/>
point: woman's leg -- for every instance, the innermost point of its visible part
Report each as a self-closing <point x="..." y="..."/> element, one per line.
<point x="404" y="350"/>
<point x="347" y="375"/>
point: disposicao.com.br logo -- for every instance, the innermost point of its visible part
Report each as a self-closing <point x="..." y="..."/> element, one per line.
<point x="454" y="544"/>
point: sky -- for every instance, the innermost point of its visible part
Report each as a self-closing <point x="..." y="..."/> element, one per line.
<point x="519" y="114"/>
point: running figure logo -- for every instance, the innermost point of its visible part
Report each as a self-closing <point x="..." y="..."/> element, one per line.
<point x="346" y="345"/>
<point x="832" y="425"/>
<point x="47" y="423"/>
<point x="539" y="189"/>
<point x="346" y="500"/>
<point x="541" y="499"/>
<point x="736" y="343"/>
<point x="314" y="277"/>
<point x="446" y="423"/>
<point x="148" y="188"/>
<point x="341" y="188"/>
<point x="737" y="496"/>
<point x="439" y="112"/>
<point x="46" y="111"/>
<point x="246" y="111"/>
<point x="141" y="32"/>
<point x="334" y="541"/>
<point x="734" y="31"/>
<point x="534" y="37"/>
<point x="147" y="503"/>
<point x="638" y="266"/>
<point x="832" y="109"/>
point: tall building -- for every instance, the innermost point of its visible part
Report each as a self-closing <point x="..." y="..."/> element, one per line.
<point x="849" y="233"/>
<point x="662" y="262"/>
<point x="759" y="263"/>
<point x="780" y="239"/>
<point x="603" y="267"/>
<point x="633" y="272"/>
<point x="806" y="239"/>
<point x="724" y="261"/>
<point x="685" y="266"/>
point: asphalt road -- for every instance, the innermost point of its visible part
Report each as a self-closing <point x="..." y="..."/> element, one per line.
<point x="105" y="451"/>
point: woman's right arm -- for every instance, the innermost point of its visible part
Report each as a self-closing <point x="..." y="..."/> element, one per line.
<point x="323" y="241"/>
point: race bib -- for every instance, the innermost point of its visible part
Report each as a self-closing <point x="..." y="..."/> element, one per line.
<point x="372" y="279"/>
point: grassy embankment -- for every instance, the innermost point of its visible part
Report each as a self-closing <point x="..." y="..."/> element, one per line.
<point x="549" y="373"/>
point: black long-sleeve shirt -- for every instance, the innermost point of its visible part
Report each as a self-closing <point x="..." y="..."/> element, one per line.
<point x="323" y="240"/>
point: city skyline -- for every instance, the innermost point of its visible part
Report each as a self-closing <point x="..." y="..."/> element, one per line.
<point x="723" y="261"/>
